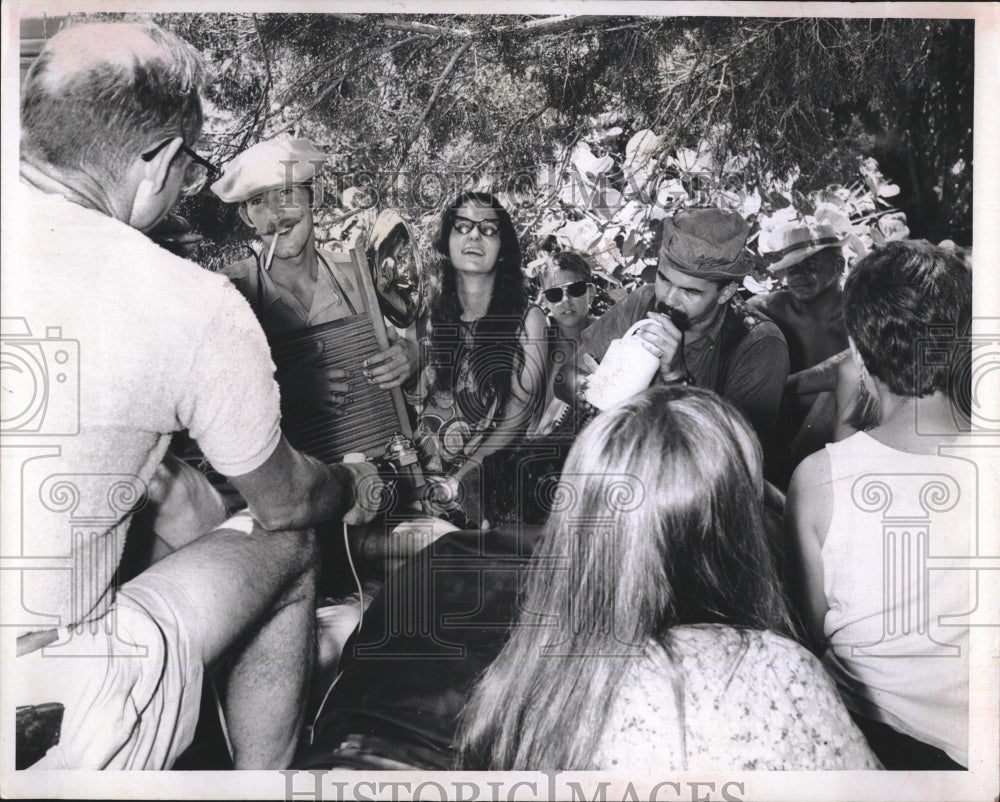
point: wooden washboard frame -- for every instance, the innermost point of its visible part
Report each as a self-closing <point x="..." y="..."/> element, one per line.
<point x="374" y="415"/>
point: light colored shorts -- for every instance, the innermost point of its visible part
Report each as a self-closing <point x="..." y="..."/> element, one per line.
<point x="130" y="682"/>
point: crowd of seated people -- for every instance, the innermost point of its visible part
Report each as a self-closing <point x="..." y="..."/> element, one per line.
<point x="656" y="611"/>
<point x="649" y="615"/>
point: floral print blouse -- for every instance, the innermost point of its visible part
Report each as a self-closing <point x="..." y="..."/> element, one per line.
<point x="729" y="700"/>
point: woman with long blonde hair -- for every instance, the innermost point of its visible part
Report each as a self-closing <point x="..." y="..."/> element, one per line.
<point x="654" y="632"/>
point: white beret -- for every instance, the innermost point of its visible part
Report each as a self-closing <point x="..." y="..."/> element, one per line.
<point x="268" y="165"/>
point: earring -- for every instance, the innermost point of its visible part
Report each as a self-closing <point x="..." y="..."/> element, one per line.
<point x="864" y="380"/>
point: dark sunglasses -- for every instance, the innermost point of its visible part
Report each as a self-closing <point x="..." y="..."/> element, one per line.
<point x="574" y="290"/>
<point x="488" y="228"/>
<point x="199" y="171"/>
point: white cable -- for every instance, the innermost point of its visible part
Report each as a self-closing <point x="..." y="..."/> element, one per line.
<point x="222" y="718"/>
<point x="357" y="628"/>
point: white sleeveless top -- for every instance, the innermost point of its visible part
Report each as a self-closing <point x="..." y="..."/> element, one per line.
<point x="894" y="653"/>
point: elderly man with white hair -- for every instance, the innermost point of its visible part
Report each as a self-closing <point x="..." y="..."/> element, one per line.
<point x="110" y="114"/>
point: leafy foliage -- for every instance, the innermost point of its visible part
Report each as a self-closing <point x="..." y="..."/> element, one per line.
<point x="415" y="108"/>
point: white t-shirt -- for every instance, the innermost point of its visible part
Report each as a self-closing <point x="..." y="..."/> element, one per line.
<point x="126" y="344"/>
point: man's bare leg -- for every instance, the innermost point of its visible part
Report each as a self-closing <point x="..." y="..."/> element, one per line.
<point x="269" y="679"/>
<point x="181" y="506"/>
<point x="251" y="598"/>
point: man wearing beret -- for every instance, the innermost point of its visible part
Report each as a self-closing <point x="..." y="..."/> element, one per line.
<point x="293" y="283"/>
<point x="145" y="344"/>
<point x="701" y="334"/>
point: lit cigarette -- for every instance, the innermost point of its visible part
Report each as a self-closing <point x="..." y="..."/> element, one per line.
<point x="270" y="253"/>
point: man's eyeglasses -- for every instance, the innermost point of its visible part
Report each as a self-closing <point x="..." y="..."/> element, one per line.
<point x="574" y="290"/>
<point x="488" y="228"/>
<point x="199" y="171"/>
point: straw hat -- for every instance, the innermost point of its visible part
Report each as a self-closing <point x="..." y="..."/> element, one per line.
<point x="795" y="242"/>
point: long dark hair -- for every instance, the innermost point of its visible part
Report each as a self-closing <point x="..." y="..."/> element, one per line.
<point x="493" y="348"/>
<point x="656" y="524"/>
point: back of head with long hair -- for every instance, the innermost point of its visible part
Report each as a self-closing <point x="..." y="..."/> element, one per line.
<point x="493" y="349"/>
<point x="656" y="524"/>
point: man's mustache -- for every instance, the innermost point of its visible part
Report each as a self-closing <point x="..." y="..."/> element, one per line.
<point x="280" y="225"/>
<point x="677" y="316"/>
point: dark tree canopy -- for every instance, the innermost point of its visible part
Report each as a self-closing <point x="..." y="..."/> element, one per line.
<point x="407" y="102"/>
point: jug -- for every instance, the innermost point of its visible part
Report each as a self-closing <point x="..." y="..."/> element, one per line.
<point x="627" y="369"/>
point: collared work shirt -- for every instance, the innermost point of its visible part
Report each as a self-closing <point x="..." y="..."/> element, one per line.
<point x="755" y="372"/>
<point x="280" y="313"/>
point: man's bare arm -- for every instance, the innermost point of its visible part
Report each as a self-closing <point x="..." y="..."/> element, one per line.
<point x="292" y="490"/>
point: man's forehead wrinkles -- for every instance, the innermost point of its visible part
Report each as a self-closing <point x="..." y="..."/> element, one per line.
<point x="681" y="280"/>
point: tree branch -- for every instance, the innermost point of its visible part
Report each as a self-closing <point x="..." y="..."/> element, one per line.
<point x="405" y="25"/>
<point x="336" y="85"/>
<point x="536" y="27"/>
<point x="556" y="24"/>
<point x="438" y="86"/>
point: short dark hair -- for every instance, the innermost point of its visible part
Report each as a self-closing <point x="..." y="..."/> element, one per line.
<point x="900" y="299"/>
<point x="572" y="262"/>
<point x="99" y="95"/>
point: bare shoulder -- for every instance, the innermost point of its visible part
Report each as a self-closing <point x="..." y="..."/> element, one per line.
<point x="809" y="502"/>
<point x="813" y="470"/>
<point x="534" y="323"/>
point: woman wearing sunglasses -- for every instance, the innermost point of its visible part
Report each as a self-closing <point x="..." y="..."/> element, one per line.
<point x="483" y="348"/>
<point x="567" y="294"/>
